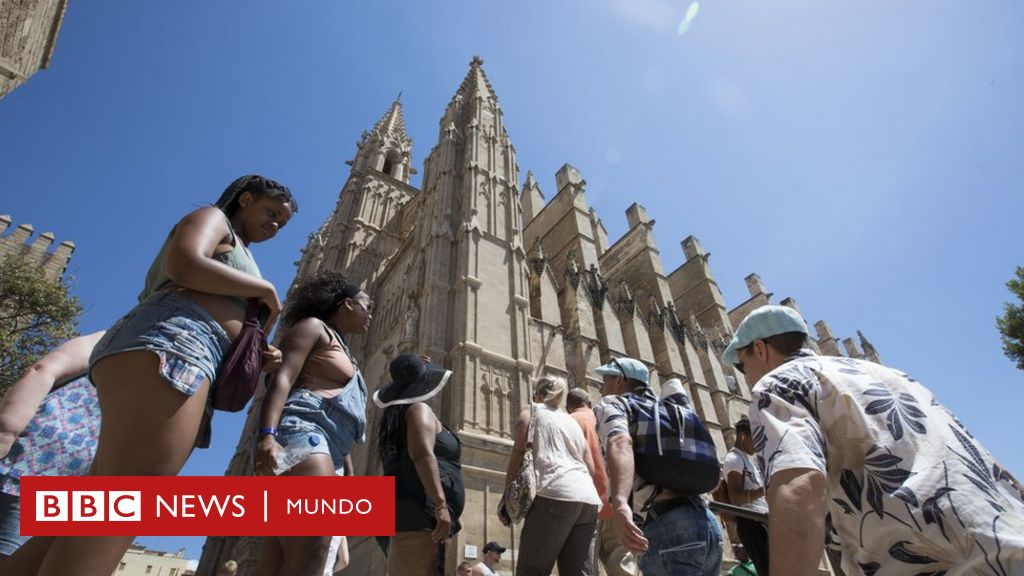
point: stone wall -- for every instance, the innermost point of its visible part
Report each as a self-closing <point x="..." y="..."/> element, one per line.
<point x="53" y="263"/>
<point x="28" y="36"/>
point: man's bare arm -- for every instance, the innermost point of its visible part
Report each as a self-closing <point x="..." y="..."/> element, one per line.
<point x="797" y="505"/>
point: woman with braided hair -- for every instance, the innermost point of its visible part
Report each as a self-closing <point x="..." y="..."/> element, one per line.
<point x="154" y="368"/>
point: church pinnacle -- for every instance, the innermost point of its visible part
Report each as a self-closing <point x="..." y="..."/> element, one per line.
<point x="386" y="147"/>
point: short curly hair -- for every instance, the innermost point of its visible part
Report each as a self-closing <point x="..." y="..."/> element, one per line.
<point x="319" y="297"/>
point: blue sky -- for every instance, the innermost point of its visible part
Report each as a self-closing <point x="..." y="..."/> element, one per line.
<point x="864" y="157"/>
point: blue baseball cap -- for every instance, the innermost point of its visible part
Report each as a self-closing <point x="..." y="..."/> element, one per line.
<point x="628" y="367"/>
<point x="761" y="323"/>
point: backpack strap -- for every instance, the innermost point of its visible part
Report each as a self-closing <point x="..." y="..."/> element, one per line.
<point x="530" y="427"/>
<point x="657" y="424"/>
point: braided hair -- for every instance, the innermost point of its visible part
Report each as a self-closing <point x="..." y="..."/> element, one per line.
<point x="258" y="186"/>
<point x="389" y="436"/>
<point x="319" y="297"/>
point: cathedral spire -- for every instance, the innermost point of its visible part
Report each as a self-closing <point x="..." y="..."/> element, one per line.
<point x="475" y="92"/>
<point x="391" y="126"/>
<point x="386" y="147"/>
<point x="476" y="83"/>
<point x="869" y="350"/>
<point x="531" y="198"/>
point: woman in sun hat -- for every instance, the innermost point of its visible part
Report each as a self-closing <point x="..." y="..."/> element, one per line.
<point x="424" y="457"/>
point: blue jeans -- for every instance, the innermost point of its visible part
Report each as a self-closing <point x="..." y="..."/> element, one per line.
<point x="684" y="541"/>
<point x="10" y="531"/>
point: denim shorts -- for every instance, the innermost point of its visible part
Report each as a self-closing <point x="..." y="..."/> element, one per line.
<point x="308" y="414"/>
<point x="190" y="343"/>
<point x="10" y="530"/>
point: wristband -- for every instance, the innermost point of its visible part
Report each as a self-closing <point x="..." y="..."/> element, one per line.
<point x="268" y="430"/>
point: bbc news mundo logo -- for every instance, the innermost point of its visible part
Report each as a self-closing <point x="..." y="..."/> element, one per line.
<point x="208" y="506"/>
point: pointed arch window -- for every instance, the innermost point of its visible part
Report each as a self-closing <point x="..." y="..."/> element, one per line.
<point x="392" y="164"/>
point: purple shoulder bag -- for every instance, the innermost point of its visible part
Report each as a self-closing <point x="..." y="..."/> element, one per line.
<point x="241" y="370"/>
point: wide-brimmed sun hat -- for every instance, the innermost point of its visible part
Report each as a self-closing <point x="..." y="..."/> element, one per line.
<point x="412" y="381"/>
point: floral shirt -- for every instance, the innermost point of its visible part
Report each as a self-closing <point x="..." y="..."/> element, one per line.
<point x="910" y="490"/>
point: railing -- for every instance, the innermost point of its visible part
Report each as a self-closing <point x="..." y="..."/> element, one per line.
<point x="723" y="508"/>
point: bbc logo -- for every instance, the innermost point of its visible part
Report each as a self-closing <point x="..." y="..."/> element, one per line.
<point x="88" y="506"/>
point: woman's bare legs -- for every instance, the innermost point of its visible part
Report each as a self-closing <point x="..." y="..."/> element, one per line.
<point x="341" y="562"/>
<point x="147" y="429"/>
<point x="271" y="557"/>
<point x="298" y="555"/>
<point x="26" y="560"/>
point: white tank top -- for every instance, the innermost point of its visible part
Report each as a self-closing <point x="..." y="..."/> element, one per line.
<point x="558" y="458"/>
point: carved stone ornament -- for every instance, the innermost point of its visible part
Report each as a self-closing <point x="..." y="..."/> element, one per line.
<point x="572" y="271"/>
<point x="538" y="259"/>
<point x="596" y="285"/>
<point x="626" y="299"/>
<point x="674" y="323"/>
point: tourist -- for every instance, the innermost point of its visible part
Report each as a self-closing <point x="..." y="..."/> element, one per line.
<point x="864" y="458"/>
<point x="744" y="565"/>
<point x="746" y="490"/>
<point x="562" y="521"/>
<point x="154" y="368"/>
<point x="315" y="403"/>
<point x="492" y="558"/>
<point x="607" y="549"/>
<point x="465" y="568"/>
<point x="53" y="402"/>
<point x="425" y="459"/>
<point x="674" y="532"/>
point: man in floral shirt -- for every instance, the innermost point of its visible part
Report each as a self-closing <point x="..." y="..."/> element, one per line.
<point x="864" y="459"/>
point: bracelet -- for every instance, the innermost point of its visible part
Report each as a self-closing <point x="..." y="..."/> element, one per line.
<point x="441" y="506"/>
<point x="268" y="430"/>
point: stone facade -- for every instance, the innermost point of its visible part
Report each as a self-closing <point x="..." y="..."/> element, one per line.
<point x="28" y="36"/>
<point x="502" y="286"/>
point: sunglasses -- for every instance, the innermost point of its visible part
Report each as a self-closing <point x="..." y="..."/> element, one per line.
<point x="739" y="365"/>
<point x="367" y="307"/>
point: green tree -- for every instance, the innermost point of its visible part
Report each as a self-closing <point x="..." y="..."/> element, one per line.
<point x="36" y="314"/>
<point x="1011" y="323"/>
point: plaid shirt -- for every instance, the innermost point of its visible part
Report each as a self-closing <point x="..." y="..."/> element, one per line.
<point x="618" y="415"/>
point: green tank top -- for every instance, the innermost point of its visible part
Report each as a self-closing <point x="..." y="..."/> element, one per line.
<point x="238" y="258"/>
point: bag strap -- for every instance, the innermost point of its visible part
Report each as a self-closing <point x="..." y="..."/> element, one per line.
<point x="530" y="427"/>
<point x="252" y="311"/>
<point x="344" y="346"/>
<point x="657" y="424"/>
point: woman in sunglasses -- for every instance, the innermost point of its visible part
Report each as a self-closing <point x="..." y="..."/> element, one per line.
<point x="315" y="406"/>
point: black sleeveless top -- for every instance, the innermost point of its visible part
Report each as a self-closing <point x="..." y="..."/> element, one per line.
<point x="414" y="511"/>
